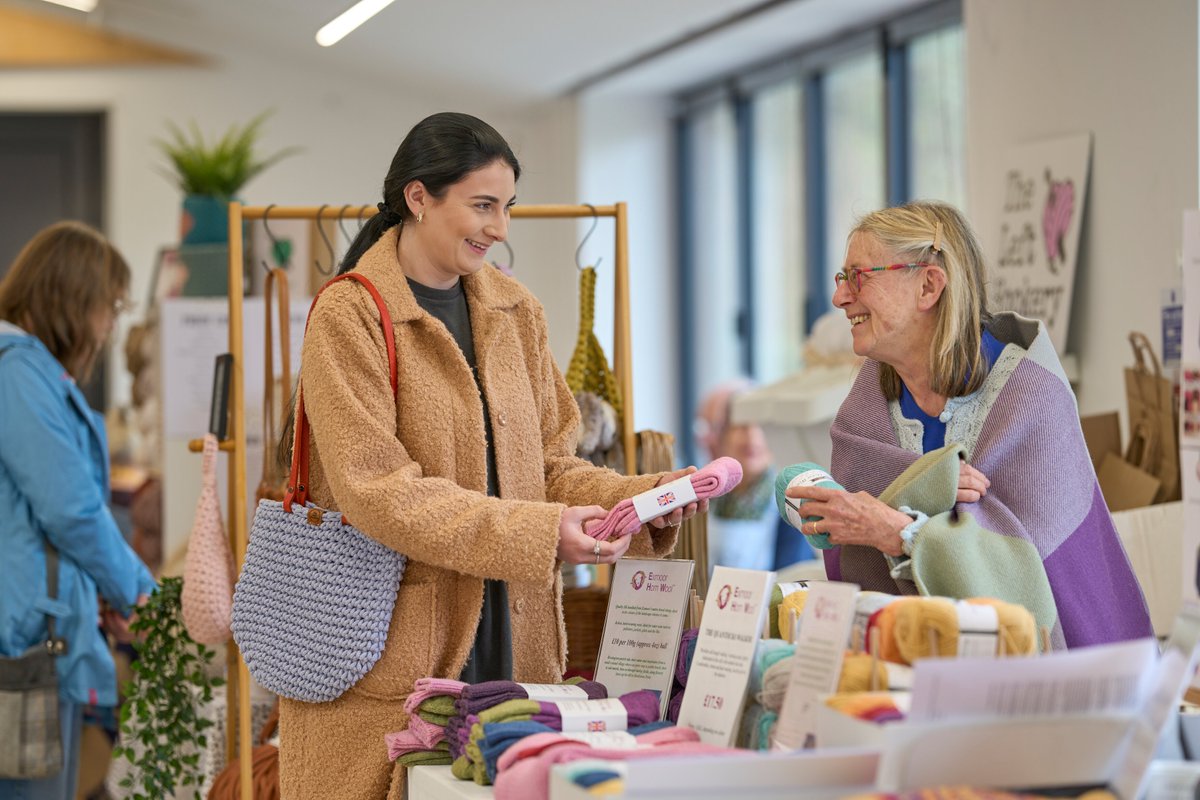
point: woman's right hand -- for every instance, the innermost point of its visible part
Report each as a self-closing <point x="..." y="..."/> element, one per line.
<point x="576" y="547"/>
<point x="972" y="484"/>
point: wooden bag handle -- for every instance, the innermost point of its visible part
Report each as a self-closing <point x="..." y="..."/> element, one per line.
<point x="297" y="489"/>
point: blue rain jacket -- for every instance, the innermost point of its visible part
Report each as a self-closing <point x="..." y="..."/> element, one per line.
<point x="54" y="485"/>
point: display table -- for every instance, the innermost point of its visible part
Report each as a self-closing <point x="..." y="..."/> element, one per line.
<point x="436" y="783"/>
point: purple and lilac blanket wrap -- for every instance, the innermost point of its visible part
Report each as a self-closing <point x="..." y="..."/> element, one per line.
<point x="1027" y="440"/>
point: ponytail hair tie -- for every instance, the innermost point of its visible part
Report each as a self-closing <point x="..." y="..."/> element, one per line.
<point x="388" y="216"/>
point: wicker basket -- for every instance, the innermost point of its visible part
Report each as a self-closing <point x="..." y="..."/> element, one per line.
<point x="584" y="612"/>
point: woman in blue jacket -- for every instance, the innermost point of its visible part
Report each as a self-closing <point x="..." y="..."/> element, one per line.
<point x="58" y="304"/>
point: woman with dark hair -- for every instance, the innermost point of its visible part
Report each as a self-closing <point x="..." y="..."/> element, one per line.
<point x="469" y="470"/>
<point x="959" y="445"/>
<point x="58" y="304"/>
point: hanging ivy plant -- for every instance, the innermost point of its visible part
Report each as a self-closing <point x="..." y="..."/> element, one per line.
<point x="162" y="734"/>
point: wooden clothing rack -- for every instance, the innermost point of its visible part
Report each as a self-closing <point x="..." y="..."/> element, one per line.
<point x="238" y="719"/>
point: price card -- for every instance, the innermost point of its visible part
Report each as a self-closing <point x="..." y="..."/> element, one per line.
<point x="734" y="612"/>
<point x="820" y="647"/>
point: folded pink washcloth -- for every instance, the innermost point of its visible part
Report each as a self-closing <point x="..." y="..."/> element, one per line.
<point x="425" y="688"/>
<point x="713" y="480"/>
<point x="427" y="733"/>
<point x="528" y="777"/>
<point x="532" y="746"/>
<point x="402" y="742"/>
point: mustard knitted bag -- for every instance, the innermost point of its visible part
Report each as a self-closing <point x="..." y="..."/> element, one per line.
<point x="588" y="370"/>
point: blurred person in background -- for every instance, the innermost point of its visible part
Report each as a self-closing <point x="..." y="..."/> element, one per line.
<point x="744" y="527"/>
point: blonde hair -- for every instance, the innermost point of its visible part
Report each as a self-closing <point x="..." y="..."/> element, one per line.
<point x="956" y="364"/>
<point x="62" y="275"/>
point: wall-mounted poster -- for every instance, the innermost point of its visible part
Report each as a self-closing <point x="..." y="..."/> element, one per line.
<point x="1045" y="185"/>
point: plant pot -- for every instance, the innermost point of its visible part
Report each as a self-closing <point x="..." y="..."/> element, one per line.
<point x="205" y="220"/>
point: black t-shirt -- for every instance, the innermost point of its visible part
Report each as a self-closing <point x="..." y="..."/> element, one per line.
<point x="491" y="655"/>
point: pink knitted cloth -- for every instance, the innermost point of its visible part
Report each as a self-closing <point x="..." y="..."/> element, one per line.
<point x="420" y="735"/>
<point x="523" y="770"/>
<point x="713" y="480"/>
<point x="425" y="688"/>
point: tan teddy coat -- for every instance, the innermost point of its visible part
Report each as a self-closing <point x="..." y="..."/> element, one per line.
<point x="413" y="475"/>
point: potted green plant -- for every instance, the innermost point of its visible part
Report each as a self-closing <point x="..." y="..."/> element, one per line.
<point x="210" y="175"/>
<point x="162" y="731"/>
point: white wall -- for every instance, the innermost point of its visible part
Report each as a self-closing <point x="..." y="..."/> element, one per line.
<point x="626" y="154"/>
<point x="1127" y="72"/>
<point x="348" y="132"/>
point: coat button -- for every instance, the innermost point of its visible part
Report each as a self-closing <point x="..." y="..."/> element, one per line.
<point x="502" y="418"/>
<point x="519" y="606"/>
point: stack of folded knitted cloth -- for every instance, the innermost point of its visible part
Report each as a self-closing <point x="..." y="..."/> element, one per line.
<point x="490" y="732"/>
<point x="683" y="664"/>
<point x="480" y="697"/>
<point x="523" y="771"/>
<point x="430" y="708"/>
<point x="713" y="480"/>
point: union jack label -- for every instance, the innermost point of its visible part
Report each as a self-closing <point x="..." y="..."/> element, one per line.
<point x="666" y="498"/>
<point x="597" y="726"/>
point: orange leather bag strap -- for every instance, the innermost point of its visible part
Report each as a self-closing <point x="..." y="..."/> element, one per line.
<point x="277" y="280"/>
<point x="297" y="489"/>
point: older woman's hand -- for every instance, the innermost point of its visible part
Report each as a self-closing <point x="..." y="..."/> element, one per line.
<point x="972" y="484"/>
<point x="849" y="518"/>
<point x="680" y="514"/>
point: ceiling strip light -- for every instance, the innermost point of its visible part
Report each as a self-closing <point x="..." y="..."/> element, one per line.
<point x="348" y="20"/>
<point x="86" y="6"/>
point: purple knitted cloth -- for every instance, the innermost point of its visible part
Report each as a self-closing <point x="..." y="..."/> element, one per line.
<point x="1043" y="490"/>
<point x="640" y="706"/>
<point x="477" y="697"/>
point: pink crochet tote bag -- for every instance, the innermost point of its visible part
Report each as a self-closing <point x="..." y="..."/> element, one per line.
<point x="208" y="571"/>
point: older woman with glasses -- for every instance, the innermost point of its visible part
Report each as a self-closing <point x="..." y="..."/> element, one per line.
<point x="959" y="445"/>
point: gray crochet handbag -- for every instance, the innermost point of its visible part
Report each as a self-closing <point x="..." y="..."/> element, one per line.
<point x="313" y="603"/>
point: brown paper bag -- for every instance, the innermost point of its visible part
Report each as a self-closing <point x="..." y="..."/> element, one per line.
<point x="1153" y="422"/>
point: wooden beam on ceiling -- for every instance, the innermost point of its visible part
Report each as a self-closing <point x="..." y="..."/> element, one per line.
<point x="33" y="41"/>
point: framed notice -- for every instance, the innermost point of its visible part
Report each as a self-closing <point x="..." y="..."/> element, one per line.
<point x="1040" y="213"/>
<point x="643" y="625"/>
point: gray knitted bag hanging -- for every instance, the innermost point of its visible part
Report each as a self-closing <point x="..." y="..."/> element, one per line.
<point x="313" y="603"/>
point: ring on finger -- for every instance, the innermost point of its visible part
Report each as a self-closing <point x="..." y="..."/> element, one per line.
<point x="596" y="549"/>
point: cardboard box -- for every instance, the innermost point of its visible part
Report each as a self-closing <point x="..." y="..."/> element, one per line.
<point x="1153" y="539"/>
<point x="836" y="729"/>
<point x="1032" y="753"/>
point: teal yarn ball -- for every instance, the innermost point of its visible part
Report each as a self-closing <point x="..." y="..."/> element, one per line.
<point x="807" y="474"/>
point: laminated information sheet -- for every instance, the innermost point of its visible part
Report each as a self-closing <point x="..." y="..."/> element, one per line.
<point x="643" y="625"/>
<point x="734" y="613"/>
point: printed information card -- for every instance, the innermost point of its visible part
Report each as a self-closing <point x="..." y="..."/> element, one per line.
<point x="821" y="646"/>
<point x="734" y="613"/>
<point x="643" y="625"/>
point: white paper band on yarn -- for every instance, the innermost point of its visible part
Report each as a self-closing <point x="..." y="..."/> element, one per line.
<point x="664" y="499"/>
